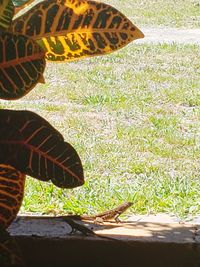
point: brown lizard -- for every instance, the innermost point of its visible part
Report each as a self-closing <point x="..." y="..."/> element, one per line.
<point x="109" y="215"/>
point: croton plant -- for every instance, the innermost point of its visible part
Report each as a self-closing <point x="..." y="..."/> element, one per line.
<point x="32" y="33"/>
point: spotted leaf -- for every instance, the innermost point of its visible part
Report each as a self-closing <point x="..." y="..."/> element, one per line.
<point x="22" y="64"/>
<point x="73" y="29"/>
<point x="31" y="145"/>
<point x="6" y="13"/>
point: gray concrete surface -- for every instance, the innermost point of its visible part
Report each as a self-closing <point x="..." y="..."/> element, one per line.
<point x="47" y="241"/>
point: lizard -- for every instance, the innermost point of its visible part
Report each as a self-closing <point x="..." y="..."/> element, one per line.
<point x="109" y="215"/>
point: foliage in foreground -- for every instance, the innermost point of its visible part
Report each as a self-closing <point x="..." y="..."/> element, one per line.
<point x="56" y="31"/>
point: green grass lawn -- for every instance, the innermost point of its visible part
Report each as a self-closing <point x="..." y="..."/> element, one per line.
<point x="151" y="13"/>
<point x="134" y="118"/>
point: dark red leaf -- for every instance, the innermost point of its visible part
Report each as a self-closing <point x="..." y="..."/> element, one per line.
<point x="31" y="145"/>
<point x="22" y="64"/>
<point x="11" y="193"/>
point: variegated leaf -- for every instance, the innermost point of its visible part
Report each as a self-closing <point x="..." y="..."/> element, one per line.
<point x="10" y="254"/>
<point x="6" y="13"/>
<point x="20" y="4"/>
<point x="31" y="145"/>
<point x="73" y="29"/>
<point x="11" y="193"/>
<point x="22" y="64"/>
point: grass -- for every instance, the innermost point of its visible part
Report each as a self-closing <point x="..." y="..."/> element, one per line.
<point x="170" y="13"/>
<point x="134" y="118"/>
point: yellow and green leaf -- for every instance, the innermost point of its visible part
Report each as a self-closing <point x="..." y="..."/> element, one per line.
<point x="73" y="29"/>
<point x="22" y="64"/>
<point x="6" y="13"/>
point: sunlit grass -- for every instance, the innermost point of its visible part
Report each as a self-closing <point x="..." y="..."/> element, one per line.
<point x="170" y="13"/>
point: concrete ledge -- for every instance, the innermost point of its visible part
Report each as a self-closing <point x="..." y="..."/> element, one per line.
<point x="47" y="241"/>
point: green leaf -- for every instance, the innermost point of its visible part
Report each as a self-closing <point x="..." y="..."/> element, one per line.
<point x="22" y="64"/>
<point x="6" y="13"/>
<point x="31" y="145"/>
<point x="70" y="30"/>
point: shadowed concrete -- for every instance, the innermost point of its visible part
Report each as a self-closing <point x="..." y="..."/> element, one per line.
<point x="48" y="241"/>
